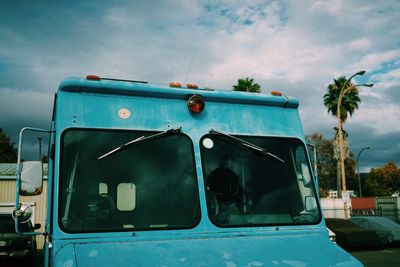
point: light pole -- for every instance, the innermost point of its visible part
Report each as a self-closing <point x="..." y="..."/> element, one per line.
<point x="343" y="91"/>
<point x="358" y="170"/>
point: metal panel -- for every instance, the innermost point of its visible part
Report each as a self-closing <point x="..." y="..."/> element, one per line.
<point x="363" y="203"/>
<point x="7" y="195"/>
<point x="388" y="207"/>
<point x="147" y="90"/>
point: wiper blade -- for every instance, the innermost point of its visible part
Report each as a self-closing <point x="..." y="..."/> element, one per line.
<point x="248" y="145"/>
<point x="139" y="140"/>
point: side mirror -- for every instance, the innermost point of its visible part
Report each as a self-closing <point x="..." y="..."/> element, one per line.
<point x="23" y="212"/>
<point x="31" y="178"/>
<point x="37" y="226"/>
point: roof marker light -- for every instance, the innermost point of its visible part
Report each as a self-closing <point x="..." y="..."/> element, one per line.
<point x="192" y="86"/>
<point x="93" y="77"/>
<point x="276" y="93"/>
<point x="196" y="104"/>
<point x="174" y="84"/>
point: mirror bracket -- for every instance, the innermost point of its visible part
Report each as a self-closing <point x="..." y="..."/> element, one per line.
<point x="19" y="212"/>
<point x="22" y="213"/>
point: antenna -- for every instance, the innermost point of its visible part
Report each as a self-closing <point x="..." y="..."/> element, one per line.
<point x="190" y="65"/>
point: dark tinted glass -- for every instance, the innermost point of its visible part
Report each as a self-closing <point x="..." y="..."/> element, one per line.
<point x="245" y="187"/>
<point x="151" y="185"/>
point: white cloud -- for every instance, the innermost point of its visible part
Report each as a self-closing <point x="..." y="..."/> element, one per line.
<point x="360" y="44"/>
<point x="333" y="8"/>
<point x="375" y="61"/>
<point x="388" y="79"/>
<point x="383" y="118"/>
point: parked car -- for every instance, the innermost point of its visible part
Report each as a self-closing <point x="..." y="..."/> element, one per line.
<point x="13" y="244"/>
<point x="387" y="230"/>
<point x="350" y="236"/>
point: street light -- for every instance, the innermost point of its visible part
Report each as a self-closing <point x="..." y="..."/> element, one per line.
<point x="358" y="170"/>
<point x="343" y="91"/>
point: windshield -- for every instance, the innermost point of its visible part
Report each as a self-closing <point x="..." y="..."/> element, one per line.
<point x="246" y="188"/>
<point x="151" y="185"/>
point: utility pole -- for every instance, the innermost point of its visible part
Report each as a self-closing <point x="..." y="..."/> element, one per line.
<point x="358" y="170"/>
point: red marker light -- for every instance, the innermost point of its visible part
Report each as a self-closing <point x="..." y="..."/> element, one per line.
<point x="93" y="77"/>
<point x="196" y="104"/>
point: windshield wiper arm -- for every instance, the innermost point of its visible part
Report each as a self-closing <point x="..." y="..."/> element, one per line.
<point x="248" y="145"/>
<point x="139" y="140"/>
<point x="70" y="190"/>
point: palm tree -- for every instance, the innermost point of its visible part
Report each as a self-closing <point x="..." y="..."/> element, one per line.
<point x="247" y="85"/>
<point x="349" y="104"/>
<point x="350" y="100"/>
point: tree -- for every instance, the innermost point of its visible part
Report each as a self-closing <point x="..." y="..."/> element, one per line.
<point x="348" y="105"/>
<point x="350" y="100"/>
<point x="383" y="181"/>
<point x="8" y="153"/>
<point x="351" y="174"/>
<point x="247" y="85"/>
<point x="326" y="164"/>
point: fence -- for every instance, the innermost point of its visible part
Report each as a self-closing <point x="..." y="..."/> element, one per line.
<point x="388" y="207"/>
<point x="392" y="214"/>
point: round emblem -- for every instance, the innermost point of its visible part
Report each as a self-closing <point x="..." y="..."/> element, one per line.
<point x="124" y="113"/>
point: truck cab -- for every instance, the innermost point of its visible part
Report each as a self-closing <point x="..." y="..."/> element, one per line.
<point x="146" y="175"/>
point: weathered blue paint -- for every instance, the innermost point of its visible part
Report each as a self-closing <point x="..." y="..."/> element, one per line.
<point x="296" y="248"/>
<point x="83" y="103"/>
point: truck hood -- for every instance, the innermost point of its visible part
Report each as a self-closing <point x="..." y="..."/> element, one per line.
<point x="293" y="250"/>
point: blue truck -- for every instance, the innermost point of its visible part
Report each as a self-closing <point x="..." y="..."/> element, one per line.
<point x="146" y="175"/>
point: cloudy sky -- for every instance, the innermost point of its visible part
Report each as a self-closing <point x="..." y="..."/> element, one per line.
<point x="297" y="47"/>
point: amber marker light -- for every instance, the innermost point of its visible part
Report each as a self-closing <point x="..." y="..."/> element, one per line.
<point x="192" y="86"/>
<point x="276" y="93"/>
<point x="93" y="77"/>
<point x="174" y="84"/>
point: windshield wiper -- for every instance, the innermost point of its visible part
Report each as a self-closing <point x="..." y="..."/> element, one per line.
<point x="139" y="140"/>
<point x="70" y="189"/>
<point x="246" y="144"/>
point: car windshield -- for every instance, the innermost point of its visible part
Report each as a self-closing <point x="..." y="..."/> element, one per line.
<point x="245" y="188"/>
<point x="152" y="185"/>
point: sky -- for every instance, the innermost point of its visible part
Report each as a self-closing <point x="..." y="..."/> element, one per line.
<point x="297" y="47"/>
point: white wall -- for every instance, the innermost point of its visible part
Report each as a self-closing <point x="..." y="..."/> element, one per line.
<point x="334" y="208"/>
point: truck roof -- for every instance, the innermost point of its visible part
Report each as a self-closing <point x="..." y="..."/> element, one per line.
<point x="137" y="88"/>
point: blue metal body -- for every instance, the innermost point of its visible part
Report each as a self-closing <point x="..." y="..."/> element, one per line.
<point x="85" y="103"/>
